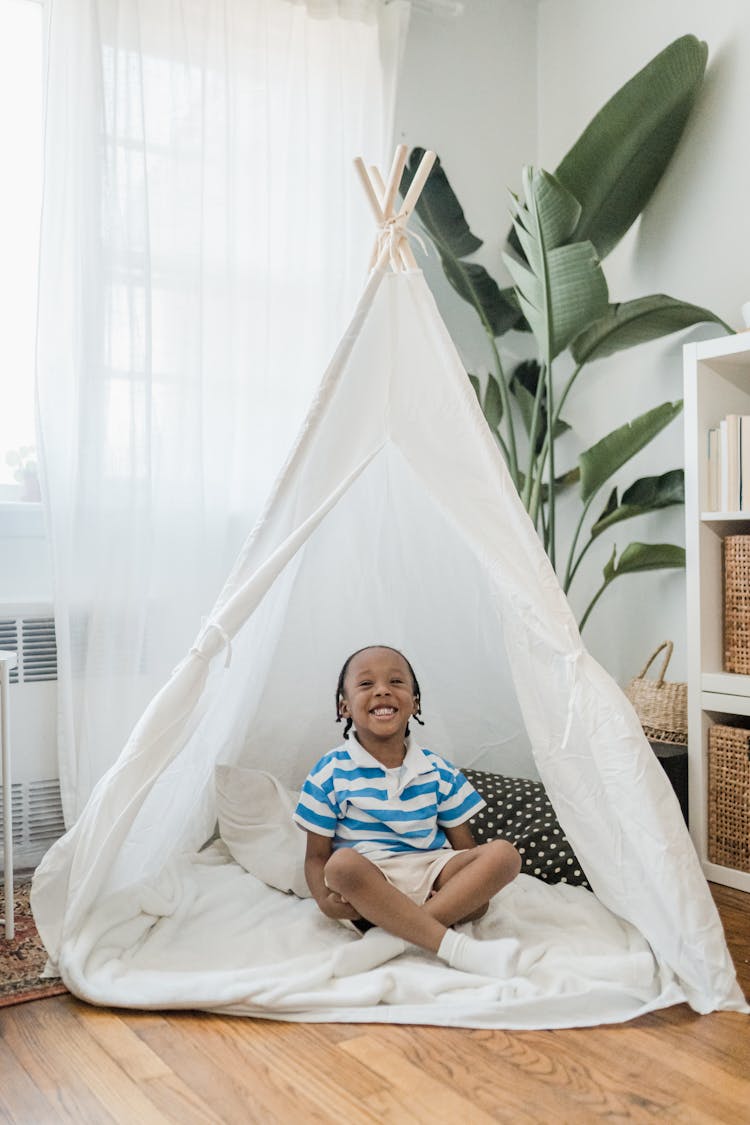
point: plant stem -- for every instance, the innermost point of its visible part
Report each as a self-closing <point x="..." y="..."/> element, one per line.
<point x="536" y="493"/>
<point x="569" y="577"/>
<point x="499" y="439"/>
<point x="563" y="396"/>
<point x="591" y="605"/>
<point x="566" y="388"/>
<point x="551" y="498"/>
<point x="538" y="477"/>
<point x="570" y="569"/>
<point x="533" y="428"/>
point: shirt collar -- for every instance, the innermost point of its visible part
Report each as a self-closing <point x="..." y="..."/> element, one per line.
<point x="415" y="759"/>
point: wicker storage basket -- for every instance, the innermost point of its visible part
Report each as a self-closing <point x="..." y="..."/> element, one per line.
<point x="737" y="604"/>
<point x="729" y="796"/>
<point x="661" y="706"/>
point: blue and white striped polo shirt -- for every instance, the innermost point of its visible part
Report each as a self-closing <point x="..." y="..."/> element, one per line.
<point x="350" y="796"/>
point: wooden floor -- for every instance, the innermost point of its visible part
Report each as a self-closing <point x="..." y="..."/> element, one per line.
<point x="62" y="1061"/>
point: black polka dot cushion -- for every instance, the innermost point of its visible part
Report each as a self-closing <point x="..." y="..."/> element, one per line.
<point x="520" y="811"/>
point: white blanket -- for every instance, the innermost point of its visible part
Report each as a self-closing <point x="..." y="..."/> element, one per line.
<point x="209" y="935"/>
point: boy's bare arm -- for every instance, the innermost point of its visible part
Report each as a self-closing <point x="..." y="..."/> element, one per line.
<point x="460" y="837"/>
<point x="317" y="854"/>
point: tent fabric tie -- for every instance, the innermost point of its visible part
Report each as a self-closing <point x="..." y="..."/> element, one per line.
<point x="390" y="235"/>
<point x="224" y="636"/>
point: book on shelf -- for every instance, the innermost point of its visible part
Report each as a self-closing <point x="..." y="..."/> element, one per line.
<point x="713" y="475"/>
<point x="731" y="499"/>
<point x="745" y="463"/>
<point x="728" y="465"/>
<point x="723" y="467"/>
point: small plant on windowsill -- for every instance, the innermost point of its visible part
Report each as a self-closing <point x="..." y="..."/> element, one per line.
<point x="23" y="463"/>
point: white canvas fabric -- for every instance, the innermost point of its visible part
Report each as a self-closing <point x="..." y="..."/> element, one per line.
<point x="393" y="521"/>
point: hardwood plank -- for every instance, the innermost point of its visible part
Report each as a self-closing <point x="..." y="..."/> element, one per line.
<point x="121" y="1043"/>
<point x="427" y="1098"/>
<point x="734" y="908"/>
<point x="216" y="1078"/>
<point x="720" y="1036"/>
<point x="282" y="1052"/>
<point x="20" y="1099"/>
<point x="169" y="1094"/>
<point x="646" y="1083"/>
<point x="308" y="1043"/>
<point x="51" y="1043"/>
<point x="490" y="1086"/>
<point x="26" y="1033"/>
<point x="557" y="1083"/>
<point x="726" y="1088"/>
<point x="257" y="1068"/>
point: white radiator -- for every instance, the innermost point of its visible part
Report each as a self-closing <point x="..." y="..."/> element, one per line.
<point x="37" y="810"/>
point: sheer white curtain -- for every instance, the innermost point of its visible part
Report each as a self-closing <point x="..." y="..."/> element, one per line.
<point x="203" y="242"/>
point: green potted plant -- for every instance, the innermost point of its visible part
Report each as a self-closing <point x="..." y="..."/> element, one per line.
<point x="564" y="224"/>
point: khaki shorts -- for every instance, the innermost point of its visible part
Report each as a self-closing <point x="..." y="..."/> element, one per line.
<point x="414" y="873"/>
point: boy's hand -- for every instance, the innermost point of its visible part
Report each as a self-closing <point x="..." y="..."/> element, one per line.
<point x="334" y="906"/>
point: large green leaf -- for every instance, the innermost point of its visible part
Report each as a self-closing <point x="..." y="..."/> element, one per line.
<point x="638" y="322"/>
<point x="657" y="492"/>
<point x="561" y="287"/>
<point x="438" y="207"/>
<point x="443" y="219"/>
<point x="476" y="286"/>
<point x="524" y="386"/>
<point x="601" y="460"/>
<point x="615" y="165"/>
<point x="644" y="556"/>
<point x="491" y="402"/>
<point x="646" y="495"/>
<point x="637" y="557"/>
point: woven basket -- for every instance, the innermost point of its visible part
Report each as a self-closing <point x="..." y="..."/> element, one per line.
<point x="729" y="796"/>
<point x="737" y="604"/>
<point x="661" y="706"/>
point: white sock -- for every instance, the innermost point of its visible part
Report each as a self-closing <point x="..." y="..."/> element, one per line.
<point x="376" y="947"/>
<point x="485" y="958"/>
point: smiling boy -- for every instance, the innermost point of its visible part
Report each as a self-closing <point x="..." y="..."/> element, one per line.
<point x="387" y="838"/>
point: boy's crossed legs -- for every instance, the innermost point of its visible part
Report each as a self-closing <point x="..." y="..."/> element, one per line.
<point x="461" y="893"/>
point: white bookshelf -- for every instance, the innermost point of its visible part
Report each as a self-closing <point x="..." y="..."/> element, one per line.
<point x="717" y="383"/>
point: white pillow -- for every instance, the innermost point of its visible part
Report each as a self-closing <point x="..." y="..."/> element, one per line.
<point x="255" y="823"/>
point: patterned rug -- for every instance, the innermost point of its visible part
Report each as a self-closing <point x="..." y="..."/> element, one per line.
<point x="22" y="960"/>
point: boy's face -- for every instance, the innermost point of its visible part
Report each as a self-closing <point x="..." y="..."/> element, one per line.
<point x="378" y="693"/>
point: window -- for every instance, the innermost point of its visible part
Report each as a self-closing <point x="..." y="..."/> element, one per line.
<point x="20" y="204"/>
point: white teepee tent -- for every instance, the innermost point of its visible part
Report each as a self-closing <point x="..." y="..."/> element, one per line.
<point x="394" y="521"/>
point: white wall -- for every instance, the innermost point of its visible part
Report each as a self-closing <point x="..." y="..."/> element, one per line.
<point x="468" y="91"/>
<point x="516" y="82"/>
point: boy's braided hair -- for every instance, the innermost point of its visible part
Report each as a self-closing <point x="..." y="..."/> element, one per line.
<point x="342" y="675"/>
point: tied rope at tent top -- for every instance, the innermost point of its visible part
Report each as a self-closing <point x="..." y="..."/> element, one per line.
<point x="392" y="242"/>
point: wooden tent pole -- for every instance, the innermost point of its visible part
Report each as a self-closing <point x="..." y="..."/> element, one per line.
<point x="415" y="190"/>
<point x="407" y="254"/>
<point x="382" y="259"/>
<point x="377" y="181"/>
<point x="377" y="210"/>
<point x="394" y="179"/>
